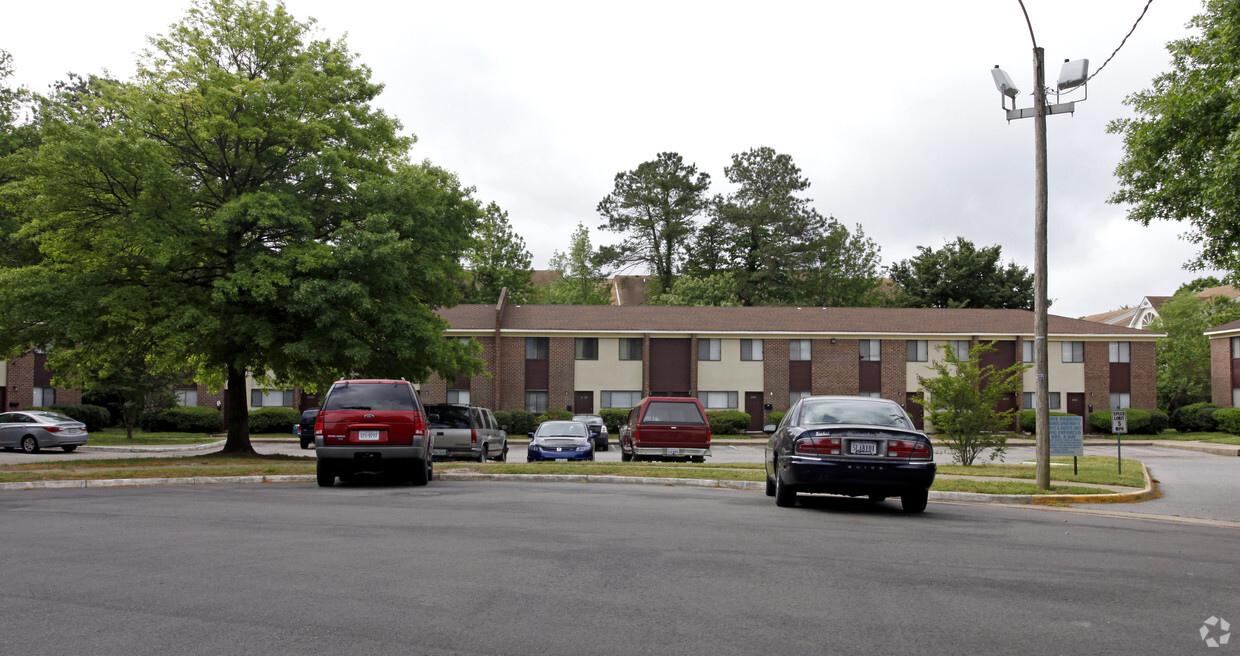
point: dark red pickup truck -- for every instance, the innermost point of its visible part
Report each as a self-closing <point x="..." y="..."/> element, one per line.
<point x="666" y="428"/>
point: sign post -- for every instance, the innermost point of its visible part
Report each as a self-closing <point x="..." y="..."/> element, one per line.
<point x="1066" y="438"/>
<point x="1119" y="426"/>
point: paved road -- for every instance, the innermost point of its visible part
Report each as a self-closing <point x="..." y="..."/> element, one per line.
<point x="567" y="569"/>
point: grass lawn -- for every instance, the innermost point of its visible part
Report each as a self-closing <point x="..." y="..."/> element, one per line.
<point x="1100" y="470"/>
<point x="275" y="465"/>
<point x="117" y="437"/>
<point x="1217" y="438"/>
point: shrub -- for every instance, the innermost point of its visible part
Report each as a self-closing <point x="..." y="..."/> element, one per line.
<point x="1028" y="419"/>
<point x="1159" y="421"/>
<point x="1194" y="418"/>
<point x="182" y="419"/>
<point x="95" y="417"/>
<point x="1140" y="422"/>
<point x="555" y="414"/>
<point x="273" y="420"/>
<point x="519" y="422"/>
<point x="1228" y="419"/>
<point x="727" y="422"/>
<point x="614" y="418"/>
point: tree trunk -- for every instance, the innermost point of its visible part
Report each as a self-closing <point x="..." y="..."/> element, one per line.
<point x="238" y="441"/>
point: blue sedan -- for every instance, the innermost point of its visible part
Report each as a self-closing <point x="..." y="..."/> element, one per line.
<point x="561" y="440"/>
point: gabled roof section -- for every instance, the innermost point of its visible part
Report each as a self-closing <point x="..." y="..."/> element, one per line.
<point x="1225" y="329"/>
<point x="1120" y="317"/>
<point x="961" y="322"/>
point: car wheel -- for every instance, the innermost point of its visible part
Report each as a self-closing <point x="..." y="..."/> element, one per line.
<point x="324" y="475"/>
<point x="625" y="456"/>
<point x="420" y="473"/>
<point x="914" y="501"/>
<point x="29" y="444"/>
<point x="503" y="455"/>
<point x="482" y="454"/>
<point x="70" y="448"/>
<point x="770" y="486"/>
<point x="699" y="459"/>
<point x="878" y="498"/>
<point x="785" y="496"/>
<point x="305" y="444"/>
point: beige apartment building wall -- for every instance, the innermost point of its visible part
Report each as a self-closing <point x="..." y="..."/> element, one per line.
<point x="729" y="373"/>
<point x="608" y="372"/>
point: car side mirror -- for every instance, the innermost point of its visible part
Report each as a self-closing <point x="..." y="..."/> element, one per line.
<point x="531" y="435"/>
<point x="768" y="429"/>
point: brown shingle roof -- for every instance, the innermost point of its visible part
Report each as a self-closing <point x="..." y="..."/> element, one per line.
<point x="871" y="321"/>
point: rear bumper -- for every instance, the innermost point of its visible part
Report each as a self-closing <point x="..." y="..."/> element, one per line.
<point x="456" y="451"/>
<point x="671" y="451"/>
<point x="855" y="477"/>
<point x="363" y="458"/>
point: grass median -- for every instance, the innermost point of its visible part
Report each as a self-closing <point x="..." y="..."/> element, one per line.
<point x="216" y="465"/>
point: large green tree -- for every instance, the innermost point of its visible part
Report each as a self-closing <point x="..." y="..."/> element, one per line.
<point x="497" y="259"/>
<point x="1182" y="149"/>
<point x="581" y="280"/>
<point x="962" y="275"/>
<point x="654" y="206"/>
<point x="765" y="224"/>
<point x="241" y="207"/>
<point x="18" y="138"/>
<point x="1183" y="356"/>
<point x="844" y="269"/>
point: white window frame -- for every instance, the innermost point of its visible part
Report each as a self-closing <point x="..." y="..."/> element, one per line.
<point x="585" y="348"/>
<point x="1026" y="351"/>
<point x="1072" y="351"/>
<point x="960" y="347"/>
<point x="709" y="349"/>
<point x="1030" y="401"/>
<point x="540" y="347"/>
<point x="623" y="399"/>
<point x="458" y="396"/>
<point x="627" y="344"/>
<point x="918" y="350"/>
<point x="799" y="350"/>
<point x="272" y="398"/>
<point x="751" y="350"/>
<point x="1120" y="352"/>
<point x="537" y="401"/>
<point x="1121" y="400"/>
<point x="187" y="396"/>
<point x="719" y="400"/>
<point x="869" y="350"/>
<point x="44" y="397"/>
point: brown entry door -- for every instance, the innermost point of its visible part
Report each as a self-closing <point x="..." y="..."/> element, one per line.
<point x="753" y="405"/>
<point x="914" y="410"/>
<point x="1076" y="403"/>
<point x="583" y="403"/>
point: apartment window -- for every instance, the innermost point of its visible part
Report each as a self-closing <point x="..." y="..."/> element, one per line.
<point x="630" y="348"/>
<point x="798" y="349"/>
<point x="458" y="396"/>
<point x="795" y="396"/>
<point x="1119" y="352"/>
<point x="44" y="397"/>
<point x="462" y="340"/>
<point x="1235" y="353"/>
<point x="960" y="347"/>
<point x="1026" y="351"/>
<point x="869" y="350"/>
<point x="875" y="395"/>
<point x="1073" y="351"/>
<point x="587" y="348"/>
<point x="1120" y="400"/>
<point x="536" y="348"/>
<point x="536" y="401"/>
<point x="187" y="396"/>
<point x="918" y="350"/>
<point x="616" y="399"/>
<point x="718" y="400"/>
<point x="1052" y="400"/>
<point x="751" y="349"/>
<point x="708" y="349"/>
<point x="268" y="398"/>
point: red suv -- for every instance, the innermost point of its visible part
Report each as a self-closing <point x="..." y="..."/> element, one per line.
<point x="372" y="426"/>
<point x="666" y="428"/>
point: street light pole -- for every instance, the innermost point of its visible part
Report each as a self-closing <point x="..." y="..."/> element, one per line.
<point x="1042" y="414"/>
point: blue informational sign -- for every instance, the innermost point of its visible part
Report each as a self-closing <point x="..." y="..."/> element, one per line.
<point x="1066" y="437"/>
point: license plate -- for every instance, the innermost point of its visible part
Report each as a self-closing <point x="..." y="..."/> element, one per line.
<point x="561" y="459"/>
<point x="673" y="452"/>
<point x="439" y="452"/>
<point x="863" y="448"/>
<point x="370" y="435"/>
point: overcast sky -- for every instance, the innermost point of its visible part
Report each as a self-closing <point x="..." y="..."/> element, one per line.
<point x="887" y="107"/>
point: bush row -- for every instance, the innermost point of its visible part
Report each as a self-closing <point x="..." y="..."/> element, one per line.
<point x="181" y="419"/>
<point x="94" y="416"/>
<point x="1140" y="422"/>
<point x="1195" y="418"/>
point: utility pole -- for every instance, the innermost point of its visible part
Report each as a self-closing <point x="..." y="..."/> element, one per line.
<point x="1042" y="413"/>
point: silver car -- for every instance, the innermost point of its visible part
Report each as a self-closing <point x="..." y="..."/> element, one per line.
<point x="37" y="429"/>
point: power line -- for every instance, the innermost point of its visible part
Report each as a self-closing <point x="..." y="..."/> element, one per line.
<point x="1121" y="43"/>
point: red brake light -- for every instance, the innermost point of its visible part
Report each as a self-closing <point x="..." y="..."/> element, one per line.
<point x="473" y="435"/>
<point x="52" y="429"/>
<point x="318" y="424"/>
<point x="419" y="424"/>
<point x="914" y="449"/>
<point x="819" y="446"/>
<point x="637" y="434"/>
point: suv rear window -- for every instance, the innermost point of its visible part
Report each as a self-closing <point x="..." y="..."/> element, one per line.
<point x="450" y="416"/>
<point x="370" y="396"/>
<point x="672" y="412"/>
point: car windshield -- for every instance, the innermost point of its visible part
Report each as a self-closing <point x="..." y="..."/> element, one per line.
<point x="850" y="411"/>
<point x="589" y="419"/>
<point x="370" y="396"/>
<point x="450" y="416"/>
<point x="673" y="412"/>
<point x="562" y="429"/>
<point x="50" y="416"/>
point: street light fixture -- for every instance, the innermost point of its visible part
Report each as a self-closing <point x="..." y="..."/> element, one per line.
<point x="1074" y="74"/>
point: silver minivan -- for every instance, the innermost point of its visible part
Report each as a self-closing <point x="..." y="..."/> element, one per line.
<point x="466" y="432"/>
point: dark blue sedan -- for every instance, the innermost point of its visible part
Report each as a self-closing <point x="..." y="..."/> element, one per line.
<point x="850" y="445"/>
<point x="561" y="440"/>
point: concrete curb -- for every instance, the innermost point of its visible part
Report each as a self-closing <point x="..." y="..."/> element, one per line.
<point x="588" y="478"/>
<point x="1149" y="492"/>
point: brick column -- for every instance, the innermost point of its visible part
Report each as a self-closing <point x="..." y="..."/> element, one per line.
<point x="1220" y="371"/>
<point x="894" y="354"/>
<point x="1144" y="392"/>
<point x="775" y="373"/>
<point x="835" y="366"/>
<point x="1097" y="375"/>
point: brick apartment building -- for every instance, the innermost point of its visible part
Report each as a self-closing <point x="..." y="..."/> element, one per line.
<point x="1225" y="365"/>
<point x="757" y="359"/>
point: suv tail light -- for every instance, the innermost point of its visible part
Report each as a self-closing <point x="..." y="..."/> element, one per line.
<point x="473" y="436"/>
<point x="637" y="435"/>
<point x="318" y="424"/>
<point x="419" y="424"/>
<point x="912" y="449"/>
<point x="819" y="446"/>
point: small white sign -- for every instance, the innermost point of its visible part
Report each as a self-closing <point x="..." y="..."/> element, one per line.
<point x="1119" y="422"/>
